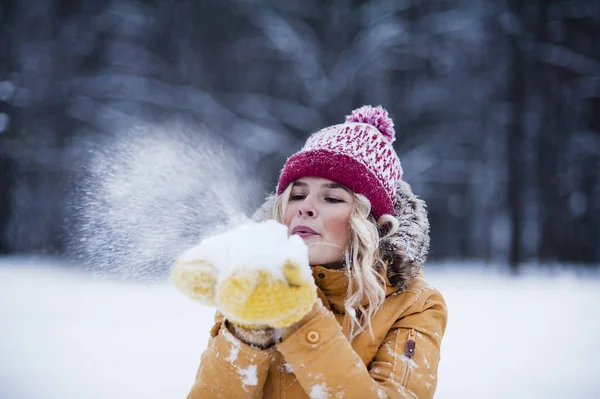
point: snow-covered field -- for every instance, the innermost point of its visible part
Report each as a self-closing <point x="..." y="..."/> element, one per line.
<point x="65" y="335"/>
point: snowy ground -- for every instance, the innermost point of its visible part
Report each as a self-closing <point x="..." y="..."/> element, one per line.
<point x="65" y="335"/>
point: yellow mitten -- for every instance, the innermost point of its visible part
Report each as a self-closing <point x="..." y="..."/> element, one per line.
<point x="197" y="279"/>
<point x="195" y="272"/>
<point x="257" y="297"/>
<point x="255" y="274"/>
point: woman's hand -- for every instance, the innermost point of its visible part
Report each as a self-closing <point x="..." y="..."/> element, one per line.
<point x="255" y="275"/>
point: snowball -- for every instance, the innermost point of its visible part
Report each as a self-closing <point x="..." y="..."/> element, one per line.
<point x="263" y="246"/>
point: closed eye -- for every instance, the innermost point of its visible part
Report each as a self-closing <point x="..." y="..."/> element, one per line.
<point x="333" y="200"/>
<point x="297" y="197"/>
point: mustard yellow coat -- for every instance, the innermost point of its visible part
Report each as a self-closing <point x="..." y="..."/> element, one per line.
<point x="318" y="361"/>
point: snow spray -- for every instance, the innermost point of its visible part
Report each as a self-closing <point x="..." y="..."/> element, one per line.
<point x="151" y="193"/>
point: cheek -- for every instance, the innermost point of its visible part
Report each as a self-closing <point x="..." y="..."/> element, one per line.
<point x="287" y="215"/>
<point x="339" y="228"/>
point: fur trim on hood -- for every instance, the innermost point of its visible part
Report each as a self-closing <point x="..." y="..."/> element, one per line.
<point x="407" y="250"/>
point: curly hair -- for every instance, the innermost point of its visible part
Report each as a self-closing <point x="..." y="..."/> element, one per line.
<point x="364" y="259"/>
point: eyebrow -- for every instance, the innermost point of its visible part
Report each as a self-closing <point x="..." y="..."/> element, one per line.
<point x="324" y="185"/>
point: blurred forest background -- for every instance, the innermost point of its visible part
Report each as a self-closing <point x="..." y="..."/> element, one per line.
<point x="496" y="103"/>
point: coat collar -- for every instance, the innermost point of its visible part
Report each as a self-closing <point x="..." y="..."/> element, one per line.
<point x="333" y="283"/>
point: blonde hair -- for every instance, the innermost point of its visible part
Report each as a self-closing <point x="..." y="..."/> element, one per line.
<point x="364" y="263"/>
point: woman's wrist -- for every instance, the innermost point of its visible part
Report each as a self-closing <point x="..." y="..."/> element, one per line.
<point x="285" y="332"/>
<point x="261" y="338"/>
<point x="266" y="337"/>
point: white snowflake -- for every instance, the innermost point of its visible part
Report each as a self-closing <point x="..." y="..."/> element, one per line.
<point x="319" y="392"/>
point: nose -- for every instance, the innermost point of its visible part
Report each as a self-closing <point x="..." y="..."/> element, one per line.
<point x="307" y="210"/>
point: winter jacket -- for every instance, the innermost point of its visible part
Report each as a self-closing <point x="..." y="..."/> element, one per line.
<point x="400" y="359"/>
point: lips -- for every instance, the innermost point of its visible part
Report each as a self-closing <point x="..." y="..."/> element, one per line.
<point x="304" y="231"/>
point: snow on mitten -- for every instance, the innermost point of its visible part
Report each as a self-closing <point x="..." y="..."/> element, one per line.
<point x="255" y="274"/>
<point x="195" y="273"/>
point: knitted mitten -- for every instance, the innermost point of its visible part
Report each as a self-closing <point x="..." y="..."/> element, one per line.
<point x="197" y="278"/>
<point x="256" y="275"/>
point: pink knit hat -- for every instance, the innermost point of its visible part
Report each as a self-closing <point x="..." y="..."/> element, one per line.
<point x="357" y="154"/>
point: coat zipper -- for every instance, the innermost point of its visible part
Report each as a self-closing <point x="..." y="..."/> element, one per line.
<point x="409" y="352"/>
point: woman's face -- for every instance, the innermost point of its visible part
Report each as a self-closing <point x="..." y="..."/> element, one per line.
<point x="319" y="212"/>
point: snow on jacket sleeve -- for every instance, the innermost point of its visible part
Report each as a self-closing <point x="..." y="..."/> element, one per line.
<point x="326" y="365"/>
<point x="229" y="367"/>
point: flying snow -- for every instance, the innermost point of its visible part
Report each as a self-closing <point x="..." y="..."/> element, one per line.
<point x="148" y="194"/>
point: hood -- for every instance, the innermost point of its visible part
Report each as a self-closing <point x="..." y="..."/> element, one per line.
<point x="407" y="250"/>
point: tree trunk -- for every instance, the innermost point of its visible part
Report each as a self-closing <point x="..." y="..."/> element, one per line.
<point x="514" y="143"/>
<point x="6" y="163"/>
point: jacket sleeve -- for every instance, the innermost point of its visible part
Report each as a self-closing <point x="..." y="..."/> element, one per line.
<point x="326" y="365"/>
<point x="229" y="368"/>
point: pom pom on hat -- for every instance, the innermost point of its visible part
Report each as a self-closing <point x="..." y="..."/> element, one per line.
<point x="374" y="116"/>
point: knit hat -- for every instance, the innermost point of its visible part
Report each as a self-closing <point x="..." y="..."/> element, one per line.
<point x="357" y="154"/>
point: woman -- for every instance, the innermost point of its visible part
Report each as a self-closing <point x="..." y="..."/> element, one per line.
<point x="376" y="328"/>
